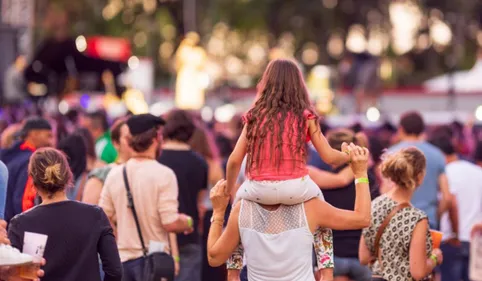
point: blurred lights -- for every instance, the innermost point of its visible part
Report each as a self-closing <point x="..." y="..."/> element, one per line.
<point x="81" y="43"/>
<point x="243" y="81"/>
<point x="257" y="53"/>
<point x="159" y="108"/>
<point x="375" y="42"/>
<point x="356" y="41"/>
<point x="207" y="114"/>
<point x="63" y="107"/>
<point x="321" y="71"/>
<point x="133" y="62"/>
<point x="168" y="31"/>
<point x="478" y="113"/>
<point x="335" y="46"/>
<point x="440" y="32"/>
<point x="140" y="39"/>
<point x="225" y="113"/>
<point x="117" y="109"/>
<point x="112" y="9"/>
<point x="36" y="89"/>
<point x="233" y="65"/>
<point x="166" y="50"/>
<point x="406" y="19"/>
<point x="149" y="6"/>
<point x="310" y="53"/>
<point x="319" y="85"/>
<point x="330" y="4"/>
<point x="386" y="69"/>
<point x="216" y="46"/>
<point x="134" y="100"/>
<point x="373" y="114"/>
<point x="203" y="80"/>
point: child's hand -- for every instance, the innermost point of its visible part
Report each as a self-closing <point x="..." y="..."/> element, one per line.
<point x="346" y="149"/>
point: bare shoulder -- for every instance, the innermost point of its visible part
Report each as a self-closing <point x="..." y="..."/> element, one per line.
<point x="314" y="205"/>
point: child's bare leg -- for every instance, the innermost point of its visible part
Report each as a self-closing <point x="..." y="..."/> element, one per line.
<point x="234" y="275"/>
<point x="325" y="274"/>
<point x="323" y="238"/>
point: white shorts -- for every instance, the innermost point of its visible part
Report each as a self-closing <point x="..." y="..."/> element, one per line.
<point x="288" y="192"/>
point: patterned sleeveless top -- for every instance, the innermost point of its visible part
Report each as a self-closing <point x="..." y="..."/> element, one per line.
<point x="395" y="241"/>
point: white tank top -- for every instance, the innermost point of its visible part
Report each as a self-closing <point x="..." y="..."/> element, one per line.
<point x="277" y="244"/>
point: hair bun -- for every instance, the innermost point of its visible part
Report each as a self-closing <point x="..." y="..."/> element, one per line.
<point x="52" y="174"/>
<point x="404" y="167"/>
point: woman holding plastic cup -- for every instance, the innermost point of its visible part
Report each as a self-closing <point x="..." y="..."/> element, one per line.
<point x="398" y="243"/>
<point x="69" y="234"/>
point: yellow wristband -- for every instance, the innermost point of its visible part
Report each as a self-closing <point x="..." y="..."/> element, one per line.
<point x="362" y="180"/>
<point x="176" y="258"/>
<point x="189" y="222"/>
<point x="434" y="259"/>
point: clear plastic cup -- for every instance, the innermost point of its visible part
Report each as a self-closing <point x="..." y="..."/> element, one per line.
<point x="34" y="245"/>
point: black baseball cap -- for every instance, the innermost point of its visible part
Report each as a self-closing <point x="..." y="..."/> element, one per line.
<point x="141" y="123"/>
<point x="34" y="123"/>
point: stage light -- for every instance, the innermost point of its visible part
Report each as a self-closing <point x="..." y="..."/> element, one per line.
<point x="63" y="107"/>
<point x="160" y="108"/>
<point x="207" y="114"/>
<point x="478" y="113"/>
<point x="225" y="113"/>
<point x="373" y="114"/>
<point x="133" y="62"/>
<point x="81" y="43"/>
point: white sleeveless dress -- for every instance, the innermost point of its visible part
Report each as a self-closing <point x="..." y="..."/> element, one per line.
<point x="278" y="244"/>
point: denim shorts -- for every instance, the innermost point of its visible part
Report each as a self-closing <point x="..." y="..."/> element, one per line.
<point x="352" y="268"/>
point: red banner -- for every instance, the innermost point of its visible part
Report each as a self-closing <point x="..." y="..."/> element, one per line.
<point x="109" y="48"/>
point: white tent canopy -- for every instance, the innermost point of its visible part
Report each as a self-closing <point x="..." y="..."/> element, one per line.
<point x="464" y="81"/>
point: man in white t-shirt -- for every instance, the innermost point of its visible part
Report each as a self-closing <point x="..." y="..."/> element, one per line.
<point x="465" y="183"/>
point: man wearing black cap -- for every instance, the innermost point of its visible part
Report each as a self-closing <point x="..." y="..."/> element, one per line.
<point x="36" y="133"/>
<point x="154" y="190"/>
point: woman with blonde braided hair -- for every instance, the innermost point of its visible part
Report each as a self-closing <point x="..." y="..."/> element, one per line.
<point x="77" y="233"/>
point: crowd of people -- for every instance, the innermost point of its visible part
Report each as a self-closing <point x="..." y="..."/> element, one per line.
<point x="300" y="200"/>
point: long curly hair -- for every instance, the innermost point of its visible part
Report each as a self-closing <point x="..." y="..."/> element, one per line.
<point x="282" y="95"/>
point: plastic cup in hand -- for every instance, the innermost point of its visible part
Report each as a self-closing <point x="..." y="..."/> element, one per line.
<point x="34" y="245"/>
<point x="436" y="238"/>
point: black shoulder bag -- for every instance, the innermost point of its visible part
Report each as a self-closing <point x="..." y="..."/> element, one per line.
<point x="156" y="265"/>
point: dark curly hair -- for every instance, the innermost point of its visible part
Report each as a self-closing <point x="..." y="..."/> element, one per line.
<point x="282" y="95"/>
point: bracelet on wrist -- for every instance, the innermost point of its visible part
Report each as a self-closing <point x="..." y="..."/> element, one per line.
<point x="219" y="220"/>
<point x="361" y="180"/>
<point x="434" y="259"/>
<point x="176" y="258"/>
<point x="189" y="222"/>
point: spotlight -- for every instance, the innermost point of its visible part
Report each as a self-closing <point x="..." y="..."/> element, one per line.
<point x="478" y="113"/>
<point x="373" y="114"/>
<point x="81" y="43"/>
